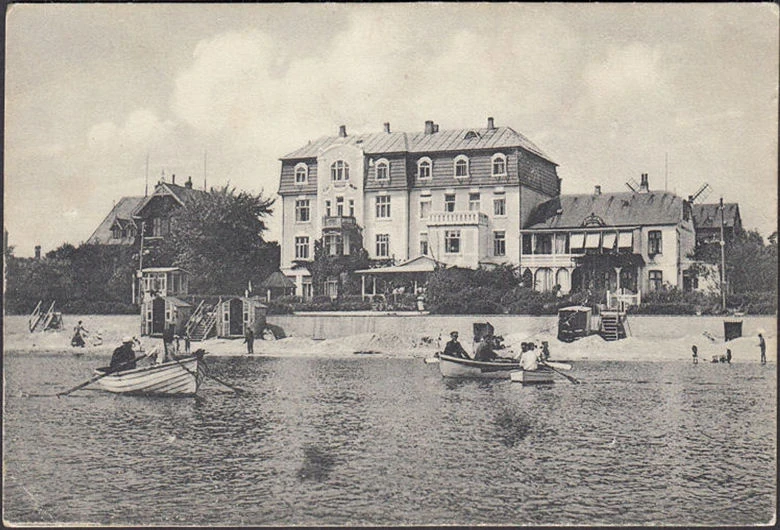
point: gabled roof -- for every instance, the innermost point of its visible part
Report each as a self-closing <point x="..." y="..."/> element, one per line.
<point x="277" y="280"/>
<point x="614" y="209"/>
<point x="708" y="215"/>
<point x="122" y="210"/>
<point x="181" y="194"/>
<point x="418" y="264"/>
<point x="440" y="141"/>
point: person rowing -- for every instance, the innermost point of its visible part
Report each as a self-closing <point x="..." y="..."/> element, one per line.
<point x="453" y="348"/>
<point x="124" y="356"/>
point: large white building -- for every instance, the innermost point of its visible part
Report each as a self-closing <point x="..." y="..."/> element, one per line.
<point x="458" y="196"/>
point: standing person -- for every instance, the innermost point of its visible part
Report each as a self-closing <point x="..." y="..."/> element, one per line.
<point x="186" y="341"/>
<point x="695" y="351"/>
<point x="78" y="336"/>
<point x="728" y="355"/>
<point x="249" y="339"/>
<point x="453" y="347"/>
<point x="762" y="346"/>
<point x="168" y="342"/>
<point x="123" y="357"/>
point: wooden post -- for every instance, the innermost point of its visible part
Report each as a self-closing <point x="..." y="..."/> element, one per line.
<point x="722" y="260"/>
<point x="363" y="286"/>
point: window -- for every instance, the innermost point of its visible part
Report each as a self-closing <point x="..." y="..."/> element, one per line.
<point x="352" y="207"/>
<point x="452" y="241"/>
<point x="331" y="244"/>
<point x="302" y="247"/>
<point x="461" y="166"/>
<point x="383" y="170"/>
<point x="116" y="232"/>
<point x="474" y="202"/>
<point x="383" y="207"/>
<point x="306" y="288"/>
<point x="561" y="243"/>
<point x="499" y="207"/>
<point x="499" y="165"/>
<point x="302" y="211"/>
<point x="160" y="226"/>
<point x="339" y="206"/>
<point x="424" y="166"/>
<point x="424" y="243"/>
<point x="656" y="280"/>
<point x="327" y="208"/>
<point x="425" y="208"/>
<point x="382" y="245"/>
<point x="499" y="243"/>
<point x="131" y="231"/>
<point x="654" y="242"/>
<point x="332" y="287"/>
<point x="301" y="173"/>
<point x="525" y="246"/>
<point x="543" y="244"/>
<point x="339" y="171"/>
<point x="449" y="202"/>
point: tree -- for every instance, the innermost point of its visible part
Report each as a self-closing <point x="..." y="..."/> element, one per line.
<point x="750" y="264"/>
<point x="339" y="267"/>
<point x="218" y="238"/>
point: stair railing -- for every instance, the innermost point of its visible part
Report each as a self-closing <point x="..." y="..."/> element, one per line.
<point x="49" y="316"/>
<point x="35" y="317"/>
<point x="194" y="320"/>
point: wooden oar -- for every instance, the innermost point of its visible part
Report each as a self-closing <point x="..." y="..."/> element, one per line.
<point x="104" y="374"/>
<point x="558" y="365"/>
<point x="567" y="376"/>
<point x="215" y="378"/>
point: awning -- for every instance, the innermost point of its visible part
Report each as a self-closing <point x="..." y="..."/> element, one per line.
<point x="420" y="264"/>
<point x="626" y="240"/>
<point x="609" y="240"/>
<point x="592" y="240"/>
<point x="577" y="241"/>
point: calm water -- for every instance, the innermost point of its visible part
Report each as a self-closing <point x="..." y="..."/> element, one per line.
<point x="369" y="441"/>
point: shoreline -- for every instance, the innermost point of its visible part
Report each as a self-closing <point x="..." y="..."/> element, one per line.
<point x="655" y="338"/>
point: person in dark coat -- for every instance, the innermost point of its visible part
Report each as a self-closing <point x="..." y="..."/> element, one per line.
<point x="123" y="357"/>
<point x="695" y="351"/>
<point x="762" y="347"/>
<point x="728" y="356"/>
<point x="485" y="351"/>
<point x="453" y="347"/>
<point x="168" y="338"/>
<point x="249" y="339"/>
<point x="78" y="336"/>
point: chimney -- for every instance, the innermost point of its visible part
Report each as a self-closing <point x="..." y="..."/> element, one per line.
<point x="173" y="179"/>
<point x="343" y="131"/>
<point x="597" y="190"/>
<point x="188" y="184"/>
<point x="428" y="127"/>
<point x="490" y="124"/>
<point x="435" y="127"/>
<point x="37" y="252"/>
<point x="644" y="187"/>
<point x="387" y="126"/>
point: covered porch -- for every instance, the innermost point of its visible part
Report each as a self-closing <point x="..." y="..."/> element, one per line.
<point x="407" y="278"/>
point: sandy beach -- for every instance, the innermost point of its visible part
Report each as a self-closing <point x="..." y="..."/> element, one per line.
<point x="654" y="339"/>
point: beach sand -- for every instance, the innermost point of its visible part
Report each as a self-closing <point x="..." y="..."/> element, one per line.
<point x="659" y="339"/>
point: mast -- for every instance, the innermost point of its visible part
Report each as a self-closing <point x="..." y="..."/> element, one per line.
<point x="146" y="179"/>
<point x="722" y="260"/>
<point x="204" y="170"/>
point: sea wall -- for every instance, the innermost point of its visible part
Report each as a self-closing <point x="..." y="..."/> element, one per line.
<point x="329" y="325"/>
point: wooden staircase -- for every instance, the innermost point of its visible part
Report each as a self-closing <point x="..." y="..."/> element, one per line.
<point x="203" y="322"/>
<point x="612" y="327"/>
<point x="42" y="318"/>
<point x="35" y="317"/>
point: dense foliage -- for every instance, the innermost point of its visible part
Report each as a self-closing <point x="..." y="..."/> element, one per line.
<point x="218" y="238"/>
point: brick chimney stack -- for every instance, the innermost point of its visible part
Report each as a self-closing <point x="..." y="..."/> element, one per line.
<point x="343" y="131"/>
<point x="188" y="184"/>
<point x="491" y="126"/>
<point x="173" y="179"/>
<point x="37" y="252"/>
<point x="387" y="127"/>
<point x="597" y="190"/>
<point x="644" y="186"/>
<point x="429" y="127"/>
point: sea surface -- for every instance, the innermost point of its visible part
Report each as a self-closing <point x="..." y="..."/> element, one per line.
<point x="378" y="441"/>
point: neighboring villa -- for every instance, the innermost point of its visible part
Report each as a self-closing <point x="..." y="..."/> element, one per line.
<point x="457" y="196"/>
<point x="707" y="218"/>
<point x="118" y="228"/>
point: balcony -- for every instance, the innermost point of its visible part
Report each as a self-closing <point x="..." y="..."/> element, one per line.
<point x="338" y="222"/>
<point x="457" y="219"/>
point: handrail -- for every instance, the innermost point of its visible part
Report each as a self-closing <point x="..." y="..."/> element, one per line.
<point x="193" y="321"/>
<point x="49" y="315"/>
<point x="36" y="315"/>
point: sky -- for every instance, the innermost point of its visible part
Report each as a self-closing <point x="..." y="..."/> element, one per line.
<point x="219" y="92"/>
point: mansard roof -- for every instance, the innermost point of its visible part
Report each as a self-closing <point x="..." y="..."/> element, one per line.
<point x="440" y="141"/>
<point x="613" y="209"/>
<point x="708" y="215"/>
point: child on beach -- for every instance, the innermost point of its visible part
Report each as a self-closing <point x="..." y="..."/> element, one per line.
<point x="695" y="351"/>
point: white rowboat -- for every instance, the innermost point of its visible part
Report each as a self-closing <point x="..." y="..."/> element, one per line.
<point x="541" y="375"/>
<point x="180" y="377"/>
<point x="457" y="367"/>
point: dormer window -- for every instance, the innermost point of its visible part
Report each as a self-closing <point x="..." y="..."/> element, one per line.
<point x="116" y="232"/>
<point x="339" y="171"/>
<point x="301" y="173"/>
<point x="499" y="165"/>
<point x="424" y="166"/>
<point x="461" y="167"/>
<point x="383" y="170"/>
<point x="471" y="135"/>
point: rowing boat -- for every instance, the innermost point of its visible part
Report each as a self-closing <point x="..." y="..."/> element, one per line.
<point x="180" y="377"/>
<point x="457" y="367"/>
<point x="540" y="375"/>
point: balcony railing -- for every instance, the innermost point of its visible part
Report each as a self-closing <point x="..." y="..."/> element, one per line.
<point x="457" y="218"/>
<point x="338" y="222"/>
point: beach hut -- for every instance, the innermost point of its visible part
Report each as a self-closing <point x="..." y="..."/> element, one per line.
<point x="158" y="312"/>
<point x="239" y="313"/>
<point x="276" y="285"/>
<point x="573" y="323"/>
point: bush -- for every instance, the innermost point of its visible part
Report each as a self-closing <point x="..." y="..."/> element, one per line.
<point x="284" y="305"/>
